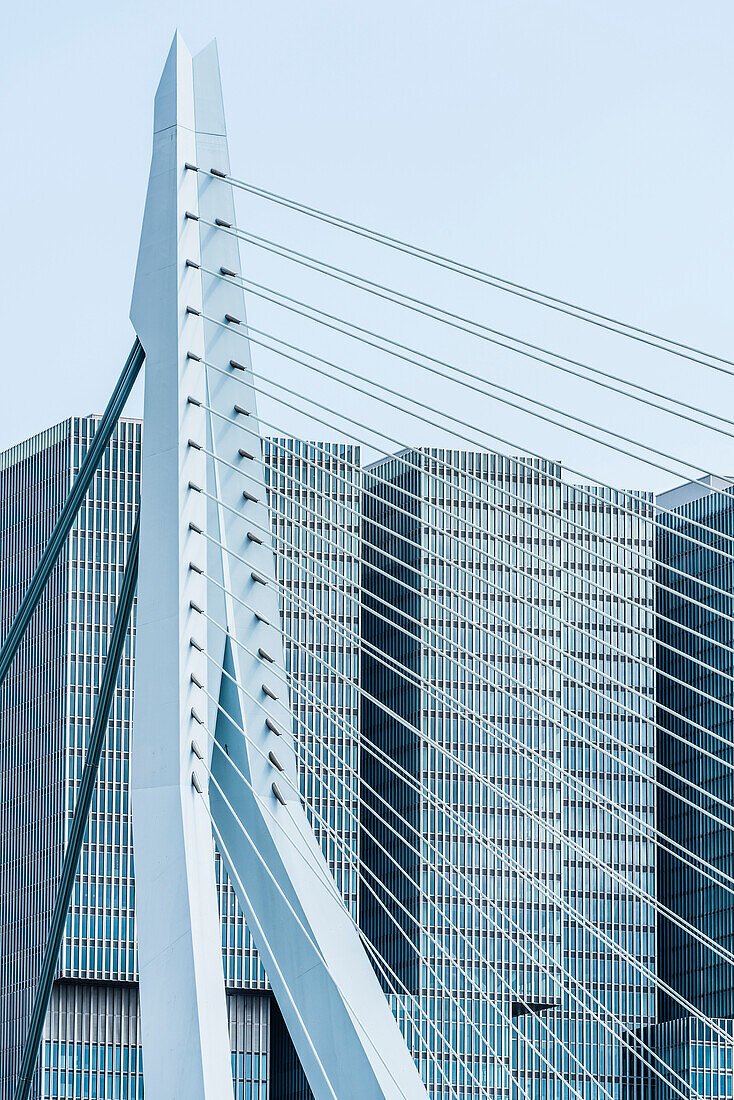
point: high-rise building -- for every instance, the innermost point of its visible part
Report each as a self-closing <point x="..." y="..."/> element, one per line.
<point x="492" y="593"/>
<point x="500" y="607"/>
<point x="696" y="747"/>
<point x="92" y="1044"/>
<point x="609" y="689"/>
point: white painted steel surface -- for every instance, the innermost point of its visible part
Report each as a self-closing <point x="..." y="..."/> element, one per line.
<point x="183" y="1007"/>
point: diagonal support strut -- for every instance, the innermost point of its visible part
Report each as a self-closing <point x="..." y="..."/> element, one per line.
<point x="71" y="506"/>
<point x="79" y="821"/>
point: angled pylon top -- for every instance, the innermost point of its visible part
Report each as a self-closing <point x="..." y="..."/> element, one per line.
<point x="174" y="97"/>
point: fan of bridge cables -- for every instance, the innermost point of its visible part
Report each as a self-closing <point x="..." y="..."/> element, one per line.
<point x="511" y="682"/>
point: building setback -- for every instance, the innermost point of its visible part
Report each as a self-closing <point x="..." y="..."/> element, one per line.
<point x="507" y="583"/>
<point x="489" y="586"/>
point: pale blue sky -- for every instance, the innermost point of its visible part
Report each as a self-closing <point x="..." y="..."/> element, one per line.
<point x="583" y="148"/>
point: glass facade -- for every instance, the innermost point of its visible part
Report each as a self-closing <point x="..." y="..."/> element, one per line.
<point x="609" y="689"/>
<point x="492" y="590"/>
<point x="99" y="943"/>
<point x="92" y="1045"/>
<point x="314" y="498"/>
<point x="694" y="656"/>
<point x="34" y="480"/>
<point x="699" y="1055"/>
<point x="502" y="580"/>
<point x="54" y="684"/>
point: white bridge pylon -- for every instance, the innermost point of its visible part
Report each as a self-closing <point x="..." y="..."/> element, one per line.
<point x="197" y="407"/>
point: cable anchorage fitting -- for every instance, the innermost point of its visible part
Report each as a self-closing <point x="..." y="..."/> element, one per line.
<point x="195" y="527"/>
<point x="269" y="692"/>
<point x="191" y="355"/>
<point x="231" y="319"/>
<point x="274" y="761"/>
<point x="197" y="785"/>
<point x="272" y="727"/>
<point x="241" y="411"/>
<point x="193" y="401"/>
<point x="196" y="750"/>
<point x="194" y="444"/>
<point x="196" y="568"/>
<point x="254" y="538"/>
<point x="191" y="167"/>
<point x="196" y="645"/>
<point x="197" y="681"/>
<point x="216" y="172"/>
<point x="249" y="496"/>
<point x="228" y="271"/>
<point x="258" y="579"/>
<point x="196" y="717"/>
<point x="265" y="655"/>
<point x="233" y="362"/>
<point x="193" y="311"/>
<point x="193" y="263"/>
<point x="191" y="216"/>
<point x="195" y="607"/>
<point x="245" y="454"/>
<point x="222" y="223"/>
<point x="278" y="795"/>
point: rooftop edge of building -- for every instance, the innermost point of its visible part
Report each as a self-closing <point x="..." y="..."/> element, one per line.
<point x="444" y="453"/>
<point x="34" y="444"/>
<point x="692" y="490"/>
